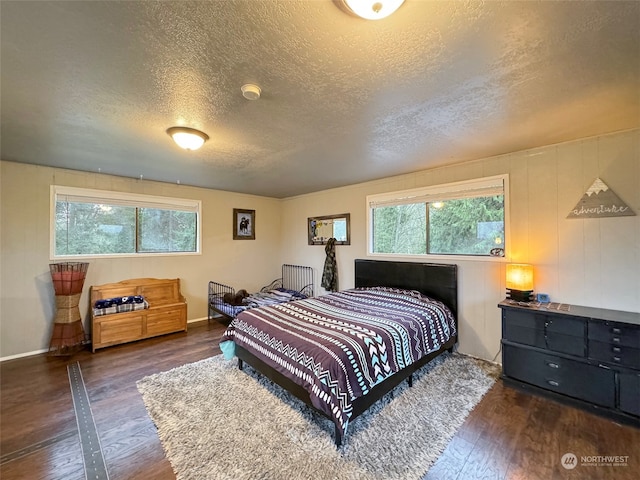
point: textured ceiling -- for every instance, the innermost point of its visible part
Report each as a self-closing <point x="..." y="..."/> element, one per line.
<point x="94" y="85"/>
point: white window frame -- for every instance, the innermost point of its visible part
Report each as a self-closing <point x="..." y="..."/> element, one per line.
<point x="435" y="193"/>
<point x="124" y="199"/>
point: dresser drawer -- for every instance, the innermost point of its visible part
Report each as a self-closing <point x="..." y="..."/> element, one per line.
<point x="524" y="319"/>
<point x="566" y="344"/>
<point x="629" y="393"/>
<point x="615" y="333"/>
<point x="563" y="325"/>
<point x="544" y="338"/>
<point x="528" y="336"/>
<point x="557" y="333"/>
<point x="561" y="375"/>
<point x="616" y="354"/>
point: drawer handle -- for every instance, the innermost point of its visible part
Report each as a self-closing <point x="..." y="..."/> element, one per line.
<point x="616" y="359"/>
<point x="616" y="349"/>
<point x="615" y="339"/>
<point x="617" y="331"/>
<point x="553" y="365"/>
<point x="553" y="383"/>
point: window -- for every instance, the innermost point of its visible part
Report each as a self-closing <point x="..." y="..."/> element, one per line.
<point x="104" y="223"/>
<point x="465" y="218"/>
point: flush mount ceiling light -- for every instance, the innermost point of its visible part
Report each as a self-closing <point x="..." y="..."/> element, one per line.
<point x="188" y="138"/>
<point x="373" y="9"/>
<point x="251" y="91"/>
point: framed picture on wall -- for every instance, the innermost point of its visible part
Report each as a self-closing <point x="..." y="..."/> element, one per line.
<point x="244" y="224"/>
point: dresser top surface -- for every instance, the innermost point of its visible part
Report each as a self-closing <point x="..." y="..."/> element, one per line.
<point x="574" y="310"/>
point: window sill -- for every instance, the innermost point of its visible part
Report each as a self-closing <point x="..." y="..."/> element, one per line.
<point x="429" y="258"/>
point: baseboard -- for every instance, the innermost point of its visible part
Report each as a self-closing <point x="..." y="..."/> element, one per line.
<point x="45" y="350"/>
<point x="26" y="354"/>
<point x="196" y="320"/>
<point x="477" y="358"/>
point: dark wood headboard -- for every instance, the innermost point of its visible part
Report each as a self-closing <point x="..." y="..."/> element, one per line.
<point x="439" y="281"/>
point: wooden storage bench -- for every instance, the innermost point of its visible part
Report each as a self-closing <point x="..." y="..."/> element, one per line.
<point x="167" y="312"/>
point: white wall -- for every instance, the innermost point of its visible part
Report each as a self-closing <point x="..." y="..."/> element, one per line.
<point x="593" y="262"/>
<point x="27" y="297"/>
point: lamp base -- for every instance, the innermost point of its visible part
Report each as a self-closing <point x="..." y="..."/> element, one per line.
<point x="520" y="295"/>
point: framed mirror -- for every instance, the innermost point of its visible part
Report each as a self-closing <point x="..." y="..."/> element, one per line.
<point x="321" y="229"/>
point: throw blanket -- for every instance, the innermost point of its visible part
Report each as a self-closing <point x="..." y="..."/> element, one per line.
<point x="330" y="272"/>
<point x="109" y="306"/>
<point x="339" y="346"/>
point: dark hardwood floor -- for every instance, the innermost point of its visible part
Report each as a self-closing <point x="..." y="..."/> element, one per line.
<point x="509" y="435"/>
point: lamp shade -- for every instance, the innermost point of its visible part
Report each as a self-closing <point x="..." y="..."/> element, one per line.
<point x="188" y="138"/>
<point x="520" y="276"/>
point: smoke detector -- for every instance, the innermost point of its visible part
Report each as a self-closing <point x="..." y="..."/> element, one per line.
<point x="251" y="91"/>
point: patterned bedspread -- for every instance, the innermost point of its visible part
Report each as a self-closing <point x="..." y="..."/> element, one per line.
<point x="339" y="346"/>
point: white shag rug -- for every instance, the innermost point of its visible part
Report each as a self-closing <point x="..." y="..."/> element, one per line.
<point x="217" y="422"/>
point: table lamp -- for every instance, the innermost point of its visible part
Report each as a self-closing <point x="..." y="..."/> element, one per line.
<point x="520" y="282"/>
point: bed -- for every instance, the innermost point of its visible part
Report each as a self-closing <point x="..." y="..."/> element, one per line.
<point x="295" y="282"/>
<point x="389" y="288"/>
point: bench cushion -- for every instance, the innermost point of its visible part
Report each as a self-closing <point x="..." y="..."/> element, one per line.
<point x="128" y="303"/>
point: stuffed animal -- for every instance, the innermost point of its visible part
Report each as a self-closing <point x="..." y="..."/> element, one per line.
<point x="237" y="299"/>
<point x="240" y="296"/>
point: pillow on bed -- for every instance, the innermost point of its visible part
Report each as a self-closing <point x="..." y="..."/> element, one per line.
<point x="293" y="293"/>
<point x="409" y="293"/>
